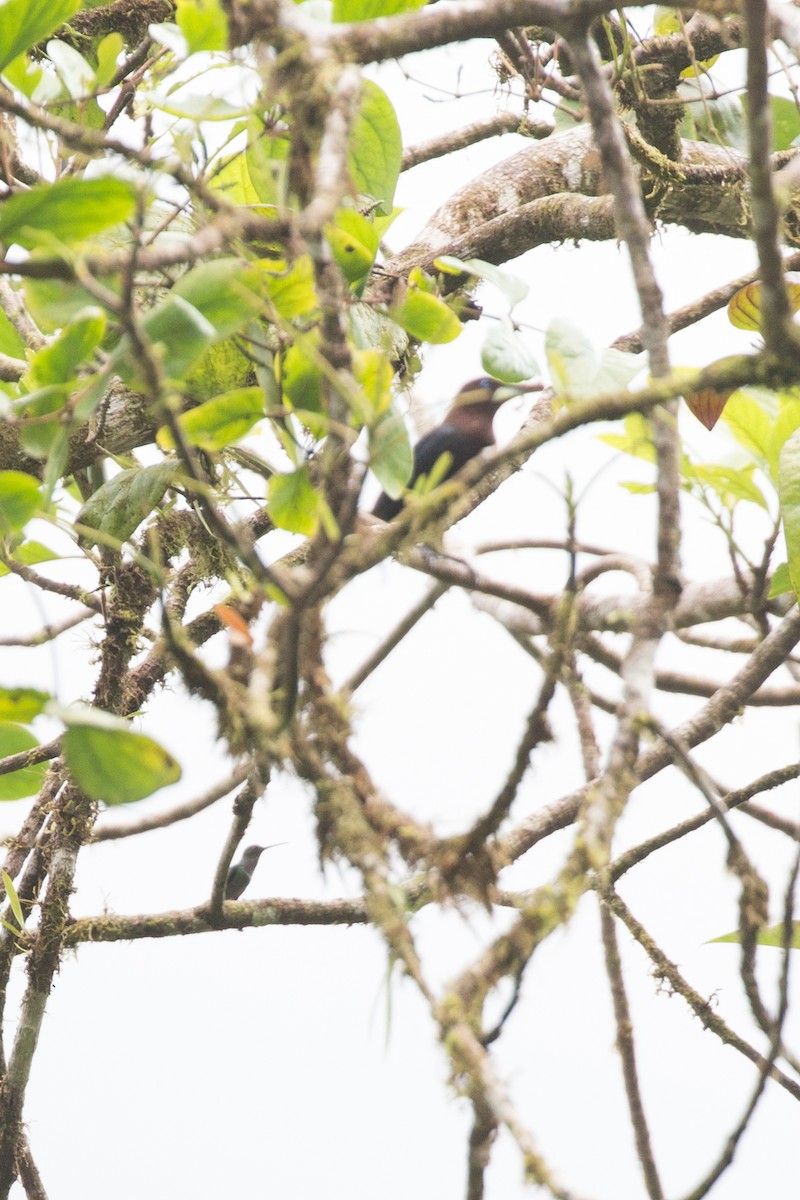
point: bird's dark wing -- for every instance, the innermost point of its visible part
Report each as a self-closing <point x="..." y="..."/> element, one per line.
<point x="460" y="444"/>
<point x="236" y="882"/>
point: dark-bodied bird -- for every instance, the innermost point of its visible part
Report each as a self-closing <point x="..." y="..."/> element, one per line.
<point x="464" y="432"/>
<point x="241" y="873"/>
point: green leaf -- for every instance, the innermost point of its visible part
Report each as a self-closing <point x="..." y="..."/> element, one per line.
<point x="789" y="495"/>
<point x="781" y="581"/>
<point x="267" y="163"/>
<point x="29" y="554"/>
<point x="23" y="23"/>
<point x="729" y="483"/>
<point x="13" y="899"/>
<point x="391" y="456"/>
<point x="354" y="243"/>
<point x="221" y="368"/>
<point x="787" y="421"/>
<point x="220" y="421"/>
<point x="14" y="739"/>
<point x="119" y="506"/>
<point x="513" y="288"/>
<point x="21" y="704"/>
<point x="292" y="502"/>
<point x="54" y="302"/>
<point x="59" y="360"/>
<point x="367" y="10"/>
<point x="226" y="291"/>
<point x="773" y="936"/>
<point x="10" y="341"/>
<point x="112" y="763"/>
<point x="203" y="24"/>
<point x="749" y="423"/>
<point x="720" y="120"/>
<point x="231" y="179"/>
<point x="108" y="51"/>
<point x="301" y="377"/>
<point x="180" y="333"/>
<point x="376" y="146"/>
<point x="19" y="500"/>
<point x="292" y="291"/>
<point x="785" y="123"/>
<point x="637" y="439"/>
<point x="426" y="317"/>
<point x="374" y="374"/>
<point x="69" y="210"/>
<point x="505" y="354"/>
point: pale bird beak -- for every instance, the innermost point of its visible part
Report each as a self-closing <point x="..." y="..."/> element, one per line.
<point x="508" y="391"/>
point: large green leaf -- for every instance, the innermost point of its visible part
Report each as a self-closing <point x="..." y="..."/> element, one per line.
<point x="10" y="341"/>
<point x="221" y="421"/>
<point x="22" y="704"/>
<point x="426" y="317"/>
<point x="180" y="334"/>
<point x="19" y="500"/>
<point x="376" y="146"/>
<point x="112" y="763"/>
<point x="23" y="23"/>
<point x="59" y="360"/>
<point x="292" y="502"/>
<point x="291" y="290"/>
<point x="354" y="242"/>
<point x="69" y="210"/>
<point x="204" y="25"/>
<point x="750" y="423"/>
<point x="225" y="291"/>
<point x="16" y="785"/>
<point x="53" y="302"/>
<point x="120" y="505"/>
<point x="375" y="376"/>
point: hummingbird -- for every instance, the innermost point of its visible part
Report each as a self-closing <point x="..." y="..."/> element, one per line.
<point x="241" y="873"/>
<point x="465" y="431"/>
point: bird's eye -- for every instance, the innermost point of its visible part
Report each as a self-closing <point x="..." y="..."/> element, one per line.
<point x="487" y="383"/>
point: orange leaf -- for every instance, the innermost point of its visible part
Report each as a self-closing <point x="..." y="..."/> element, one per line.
<point x="235" y="622"/>
<point x="708" y="404"/>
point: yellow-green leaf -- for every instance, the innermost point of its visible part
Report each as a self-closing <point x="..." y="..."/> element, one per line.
<point x="221" y="421"/>
<point x="69" y="210"/>
<point x="204" y="25"/>
<point x="16" y="785"/>
<point x="426" y="317"/>
<point x="19" y="500"/>
<point x="23" y="23"/>
<point x="376" y="146"/>
<point x="292" y="502"/>
<point x="21" y="704"/>
<point x="117" y="765"/>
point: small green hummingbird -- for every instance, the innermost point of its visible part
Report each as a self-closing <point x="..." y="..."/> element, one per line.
<point x="241" y="873"/>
